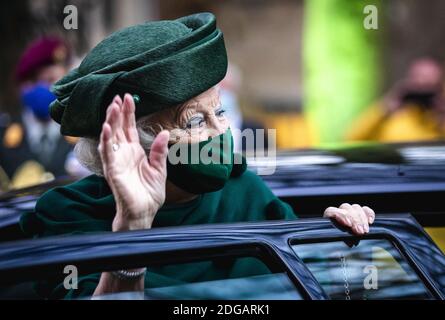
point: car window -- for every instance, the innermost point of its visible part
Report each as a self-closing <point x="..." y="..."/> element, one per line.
<point x="371" y="269"/>
<point x="241" y="278"/>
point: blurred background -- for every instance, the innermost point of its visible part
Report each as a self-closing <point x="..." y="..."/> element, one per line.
<point x="311" y="69"/>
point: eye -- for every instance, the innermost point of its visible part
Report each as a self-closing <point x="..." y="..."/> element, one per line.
<point x="220" y="112"/>
<point x="195" y="122"/>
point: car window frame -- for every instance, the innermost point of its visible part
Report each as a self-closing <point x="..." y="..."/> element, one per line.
<point x="397" y="244"/>
<point x="273" y="236"/>
<point x="256" y="249"/>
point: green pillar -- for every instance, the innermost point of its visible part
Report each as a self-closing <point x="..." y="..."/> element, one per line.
<point x="341" y="65"/>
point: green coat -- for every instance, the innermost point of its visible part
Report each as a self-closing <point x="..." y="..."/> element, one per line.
<point x="88" y="206"/>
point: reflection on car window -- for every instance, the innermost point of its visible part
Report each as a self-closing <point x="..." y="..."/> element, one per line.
<point x="225" y="277"/>
<point x="232" y="278"/>
<point x="373" y="269"/>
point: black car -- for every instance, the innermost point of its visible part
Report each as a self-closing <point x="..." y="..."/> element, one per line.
<point x="301" y="259"/>
<point x="308" y="258"/>
<point x="393" y="178"/>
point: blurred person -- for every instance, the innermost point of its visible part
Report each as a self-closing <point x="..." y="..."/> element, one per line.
<point x="412" y="110"/>
<point x="32" y="150"/>
<point x="131" y="106"/>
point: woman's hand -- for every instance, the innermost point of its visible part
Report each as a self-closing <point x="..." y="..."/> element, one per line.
<point x="137" y="183"/>
<point x="356" y="217"/>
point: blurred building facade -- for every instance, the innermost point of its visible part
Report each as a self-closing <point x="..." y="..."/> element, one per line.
<point x="264" y="40"/>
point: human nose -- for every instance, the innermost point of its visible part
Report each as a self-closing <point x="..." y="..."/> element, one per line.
<point x="215" y="126"/>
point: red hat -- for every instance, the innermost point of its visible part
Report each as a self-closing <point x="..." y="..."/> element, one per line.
<point x="42" y="52"/>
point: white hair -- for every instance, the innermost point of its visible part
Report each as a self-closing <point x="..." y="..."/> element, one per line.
<point x="89" y="157"/>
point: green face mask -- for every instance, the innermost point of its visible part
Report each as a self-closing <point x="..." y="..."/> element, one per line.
<point x="201" y="167"/>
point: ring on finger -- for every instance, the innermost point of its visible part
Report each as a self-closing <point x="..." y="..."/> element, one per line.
<point x="115" y="147"/>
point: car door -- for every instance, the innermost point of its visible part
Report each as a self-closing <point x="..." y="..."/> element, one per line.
<point x="301" y="259"/>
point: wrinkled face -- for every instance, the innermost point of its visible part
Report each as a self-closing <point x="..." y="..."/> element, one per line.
<point x="195" y="120"/>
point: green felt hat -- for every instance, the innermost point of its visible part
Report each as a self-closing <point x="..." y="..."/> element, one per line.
<point x="161" y="63"/>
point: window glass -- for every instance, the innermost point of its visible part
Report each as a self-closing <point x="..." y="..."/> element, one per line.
<point x="242" y="278"/>
<point x="371" y="269"/>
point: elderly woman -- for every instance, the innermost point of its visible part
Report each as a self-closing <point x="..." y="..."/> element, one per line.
<point x="160" y="78"/>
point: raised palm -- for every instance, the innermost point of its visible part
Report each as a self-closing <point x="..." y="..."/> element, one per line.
<point x="137" y="182"/>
